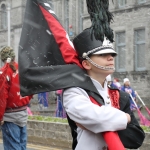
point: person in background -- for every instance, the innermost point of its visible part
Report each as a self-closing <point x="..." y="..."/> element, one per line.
<point x="128" y="89"/>
<point x="110" y="82"/>
<point x="116" y="82"/>
<point x="13" y="108"/>
<point x="42" y="99"/>
<point x="60" y="112"/>
<point x="108" y="79"/>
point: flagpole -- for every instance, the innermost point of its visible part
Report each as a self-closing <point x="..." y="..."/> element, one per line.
<point x="8" y="21"/>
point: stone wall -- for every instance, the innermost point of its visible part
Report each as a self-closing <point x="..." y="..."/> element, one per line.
<point x="58" y="135"/>
<point x="49" y="134"/>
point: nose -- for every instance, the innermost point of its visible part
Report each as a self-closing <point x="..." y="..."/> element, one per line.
<point x="110" y="57"/>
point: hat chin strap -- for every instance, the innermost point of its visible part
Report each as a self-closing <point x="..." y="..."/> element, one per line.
<point x="98" y="66"/>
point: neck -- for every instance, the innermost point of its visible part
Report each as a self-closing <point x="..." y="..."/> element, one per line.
<point x="100" y="78"/>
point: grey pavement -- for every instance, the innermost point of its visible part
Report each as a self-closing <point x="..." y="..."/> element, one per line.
<point x="36" y="147"/>
<point x="1" y="147"/>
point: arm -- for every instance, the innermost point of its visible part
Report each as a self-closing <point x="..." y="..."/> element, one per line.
<point x="133" y="94"/>
<point x="94" y="118"/>
<point x="3" y="97"/>
<point x="122" y="88"/>
<point x="133" y="135"/>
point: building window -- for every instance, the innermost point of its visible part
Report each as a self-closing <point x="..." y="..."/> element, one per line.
<point x="120" y="49"/>
<point x="4" y="17"/>
<point x="51" y="4"/>
<point x="81" y="11"/>
<point x="66" y="7"/>
<point x="141" y="1"/>
<point x="121" y="3"/>
<point x="140" y="63"/>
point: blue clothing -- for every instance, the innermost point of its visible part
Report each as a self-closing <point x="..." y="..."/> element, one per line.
<point x="60" y="112"/>
<point x="128" y="89"/>
<point x="14" y="136"/>
<point x="59" y="109"/>
<point x="113" y="85"/>
<point x="42" y="98"/>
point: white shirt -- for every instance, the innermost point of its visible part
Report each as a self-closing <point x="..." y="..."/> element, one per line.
<point x="94" y="118"/>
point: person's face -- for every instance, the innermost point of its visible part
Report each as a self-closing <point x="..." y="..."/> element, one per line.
<point x="115" y="80"/>
<point x="127" y="83"/>
<point x="106" y="60"/>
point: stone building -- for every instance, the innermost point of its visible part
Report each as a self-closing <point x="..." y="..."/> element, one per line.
<point x="131" y="27"/>
<point x="132" y="32"/>
<point x="16" y="18"/>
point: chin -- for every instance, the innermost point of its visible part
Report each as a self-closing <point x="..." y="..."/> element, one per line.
<point x="109" y="71"/>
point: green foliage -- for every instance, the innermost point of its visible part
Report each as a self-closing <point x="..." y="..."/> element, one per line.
<point x="145" y="128"/>
<point x="48" y="119"/>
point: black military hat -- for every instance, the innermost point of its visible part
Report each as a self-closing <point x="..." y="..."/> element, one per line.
<point x="86" y="45"/>
<point x="96" y="39"/>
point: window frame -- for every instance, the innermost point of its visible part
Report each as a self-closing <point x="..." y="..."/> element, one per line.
<point x="81" y="12"/>
<point x="66" y="15"/>
<point x="116" y="47"/>
<point x="4" y="18"/>
<point x="141" y="2"/>
<point x="51" y="4"/>
<point x="136" y="43"/>
<point x="121" y="6"/>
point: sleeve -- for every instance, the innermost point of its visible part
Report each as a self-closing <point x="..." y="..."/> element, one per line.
<point x="94" y="118"/>
<point x="133" y="136"/>
<point x="133" y="94"/>
<point x="3" y="96"/>
<point x="122" y="88"/>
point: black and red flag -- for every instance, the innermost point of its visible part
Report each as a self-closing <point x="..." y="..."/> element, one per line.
<point x="47" y="59"/>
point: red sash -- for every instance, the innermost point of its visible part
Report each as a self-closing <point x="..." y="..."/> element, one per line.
<point x="111" y="138"/>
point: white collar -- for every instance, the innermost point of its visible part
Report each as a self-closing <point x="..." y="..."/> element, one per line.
<point x="99" y="86"/>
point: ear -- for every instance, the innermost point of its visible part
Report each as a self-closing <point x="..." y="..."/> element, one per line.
<point x="86" y="65"/>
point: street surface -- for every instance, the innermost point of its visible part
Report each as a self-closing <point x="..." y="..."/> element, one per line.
<point x="34" y="147"/>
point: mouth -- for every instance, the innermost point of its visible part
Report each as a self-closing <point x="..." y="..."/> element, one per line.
<point x="110" y="65"/>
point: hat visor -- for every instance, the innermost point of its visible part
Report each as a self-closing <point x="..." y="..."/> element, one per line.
<point x="105" y="51"/>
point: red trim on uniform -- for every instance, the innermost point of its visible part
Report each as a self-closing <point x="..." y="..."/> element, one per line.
<point x="114" y="97"/>
<point x="111" y="138"/>
<point x="68" y="52"/>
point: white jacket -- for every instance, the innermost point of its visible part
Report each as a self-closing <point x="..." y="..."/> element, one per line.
<point x="95" y="119"/>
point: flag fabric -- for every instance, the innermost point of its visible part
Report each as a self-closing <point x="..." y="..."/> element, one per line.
<point x="46" y="55"/>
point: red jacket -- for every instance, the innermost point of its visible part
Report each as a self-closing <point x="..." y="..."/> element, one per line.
<point x="10" y="92"/>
